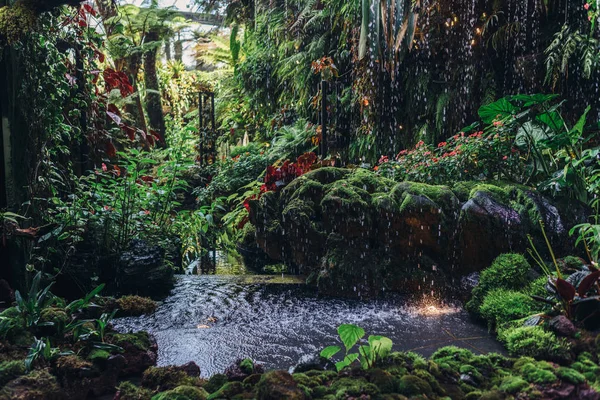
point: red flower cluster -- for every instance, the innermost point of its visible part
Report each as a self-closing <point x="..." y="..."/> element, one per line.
<point x="277" y="178"/>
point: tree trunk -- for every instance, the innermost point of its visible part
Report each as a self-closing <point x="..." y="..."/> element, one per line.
<point x="179" y="50"/>
<point x="153" y="100"/>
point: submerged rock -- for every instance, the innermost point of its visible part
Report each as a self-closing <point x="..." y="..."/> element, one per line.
<point x="359" y="233"/>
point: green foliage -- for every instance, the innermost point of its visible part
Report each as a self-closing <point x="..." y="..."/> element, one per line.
<point x="534" y="341"/>
<point x="508" y="271"/>
<point x="501" y="306"/>
<point x="378" y="348"/>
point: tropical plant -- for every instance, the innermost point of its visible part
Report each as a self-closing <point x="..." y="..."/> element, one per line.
<point x="41" y="349"/>
<point x="576" y="296"/>
<point x="369" y="354"/>
<point x="37" y="299"/>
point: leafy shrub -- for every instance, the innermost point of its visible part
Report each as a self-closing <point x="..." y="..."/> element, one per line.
<point x="501" y="306"/>
<point x="508" y="271"/>
<point x="534" y="341"/>
<point x="477" y="156"/>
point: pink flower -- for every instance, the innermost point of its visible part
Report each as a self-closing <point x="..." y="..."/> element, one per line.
<point x="586" y="6"/>
<point x="104" y="167"/>
<point x="505" y="157"/>
<point x="498" y="123"/>
<point x="442" y="144"/>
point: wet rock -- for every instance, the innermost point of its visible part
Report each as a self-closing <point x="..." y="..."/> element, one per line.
<point x="242" y="368"/>
<point x="37" y="385"/>
<point x="191" y="368"/>
<point x="488" y="228"/>
<point x="276" y="385"/>
<point x="359" y="233"/>
<point x="142" y="270"/>
<point x="140" y="351"/>
<point x="166" y="378"/>
<point x="562" y="326"/>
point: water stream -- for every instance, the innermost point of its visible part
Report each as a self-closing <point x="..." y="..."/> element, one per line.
<point x="214" y="320"/>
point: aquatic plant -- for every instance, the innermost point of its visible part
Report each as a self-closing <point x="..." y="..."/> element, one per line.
<point x="377" y="349"/>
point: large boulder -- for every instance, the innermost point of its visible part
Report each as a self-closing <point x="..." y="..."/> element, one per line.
<point x="142" y="270"/>
<point x="357" y="233"/>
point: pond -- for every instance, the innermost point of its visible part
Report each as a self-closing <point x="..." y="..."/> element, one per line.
<point x="214" y="320"/>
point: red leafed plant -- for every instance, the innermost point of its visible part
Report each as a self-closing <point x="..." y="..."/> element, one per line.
<point x="278" y="177"/>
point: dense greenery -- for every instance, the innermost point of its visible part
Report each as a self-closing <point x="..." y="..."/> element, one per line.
<point x="454" y="134"/>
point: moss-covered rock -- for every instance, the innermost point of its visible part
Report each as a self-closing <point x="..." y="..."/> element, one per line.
<point x="501" y="306"/>
<point x="508" y="271"/>
<point x="411" y="385"/>
<point x="9" y="370"/>
<point x="310" y="224"/>
<point x="215" y="383"/>
<point x="535" y="341"/>
<point x="135" y="305"/>
<point x="165" y="378"/>
<point x="38" y="384"/>
<point x="279" y="385"/>
<point x="129" y="391"/>
<point x="183" y="393"/>
<point x="227" y="391"/>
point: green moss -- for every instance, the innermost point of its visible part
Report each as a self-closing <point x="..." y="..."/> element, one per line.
<point x="57" y="317"/>
<point x="499" y="194"/>
<point x="247" y="366"/>
<point x="98" y="355"/>
<point x="538" y="287"/>
<point x="534" y="341"/>
<point x="183" y="393"/>
<point x="534" y="374"/>
<point x="501" y="306"/>
<point x="442" y="196"/>
<point x="369" y="181"/>
<point x="135" y="305"/>
<point x="39" y="384"/>
<point x="275" y="385"/>
<point x="411" y="385"/>
<point x="513" y="384"/>
<point x="129" y="391"/>
<point x="215" y="383"/>
<point x="353" y="387"/>
<point x="326" y="175"/>
<point x="385" y="381"/>
<point x="140" y="339"/>
<point x="508" y="271"/>
<point x="165" y="378"/>
<point x="471" y="371"/>
<point x="570" y="375"/>
<point x="9" y="370"/>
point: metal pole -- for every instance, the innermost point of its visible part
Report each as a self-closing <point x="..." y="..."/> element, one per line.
<point x="324" y="90"/>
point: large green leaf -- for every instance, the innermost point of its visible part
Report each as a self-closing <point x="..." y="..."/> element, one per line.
<point x="531" y="134"/>
<point x="577" y="131"/>
<point x="364" y="29"/>
<point x="499" y="109"/>
<point x="330" y="351"/>
<point x="381" y="346"/>
<point x="350" y="335"/>
<point x="349" y="359"/>
<point x="533" y="99"/>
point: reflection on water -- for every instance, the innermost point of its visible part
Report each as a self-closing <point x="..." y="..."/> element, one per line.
<point x="214" y="320"/>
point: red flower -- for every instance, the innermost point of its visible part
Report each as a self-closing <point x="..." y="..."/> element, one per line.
<point x="383" y="159"/>
<point x="442" y="144"/>
<point x="505" y="157"/>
